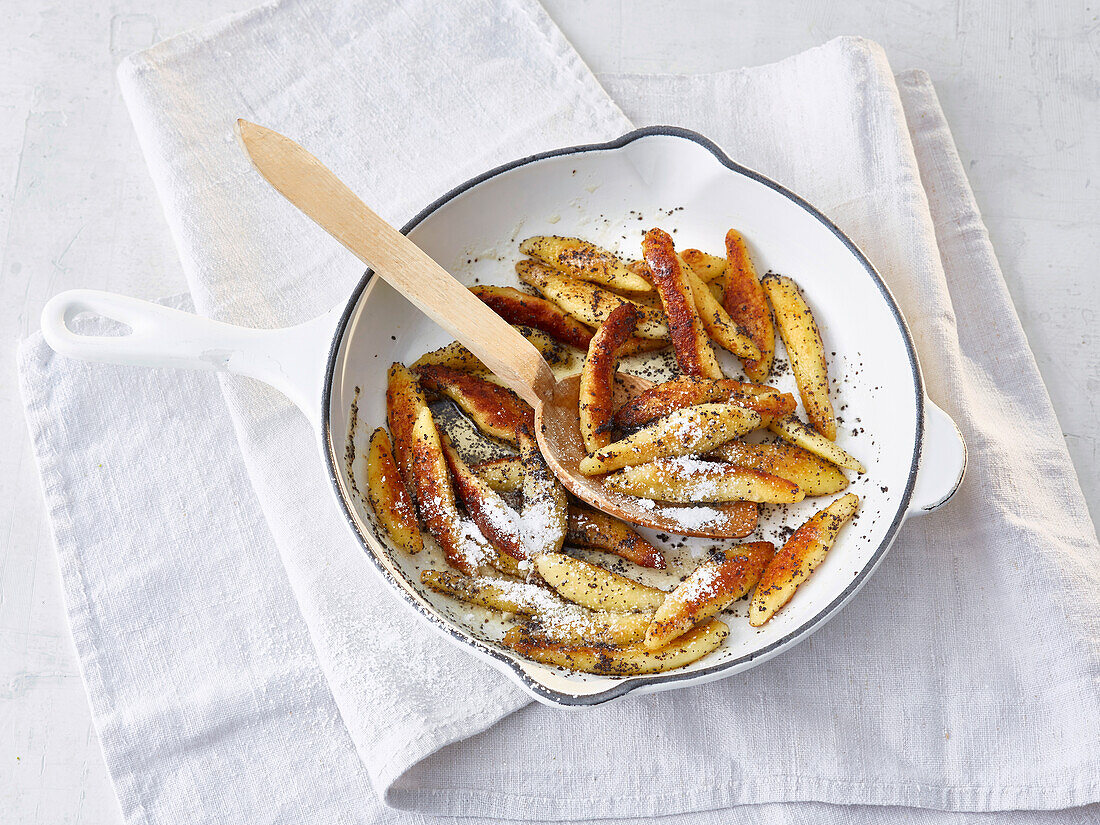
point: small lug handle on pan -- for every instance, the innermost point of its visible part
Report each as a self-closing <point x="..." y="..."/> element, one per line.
<point x="291" y="360"/>
<point x="942" y="462"/>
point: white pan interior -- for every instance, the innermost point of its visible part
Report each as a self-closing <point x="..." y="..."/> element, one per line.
<point x="611" y="196"/>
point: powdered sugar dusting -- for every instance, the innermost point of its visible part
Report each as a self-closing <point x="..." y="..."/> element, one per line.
<point x="699" y="479"/>
<point x="471" y="546"/>
<point x="537" y="527"/>
<point x="700" y="586"/>
<point x="550" y="609"/>
<point x="500" y="516"/>
<point x="693" y="518"/>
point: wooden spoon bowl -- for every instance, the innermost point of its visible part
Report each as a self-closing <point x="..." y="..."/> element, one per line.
<point x="559" y="438"/>
<point x="317" y="192"/>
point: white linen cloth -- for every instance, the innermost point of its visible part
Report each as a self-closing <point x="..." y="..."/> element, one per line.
<point x="992" y="602"/>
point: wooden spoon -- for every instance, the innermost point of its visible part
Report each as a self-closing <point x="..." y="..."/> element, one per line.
<point x="314" y="189"/>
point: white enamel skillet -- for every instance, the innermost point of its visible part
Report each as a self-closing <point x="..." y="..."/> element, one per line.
<point x="608" y="193"/>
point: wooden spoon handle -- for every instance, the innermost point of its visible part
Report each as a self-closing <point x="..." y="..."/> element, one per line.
<point x="313" y="188"/>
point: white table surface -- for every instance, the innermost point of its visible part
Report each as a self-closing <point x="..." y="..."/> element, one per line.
<point x="1019" y="80"/>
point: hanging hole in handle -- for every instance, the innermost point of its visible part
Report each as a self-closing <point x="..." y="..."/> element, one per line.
<point x="90" y="322"/>
<point x="88" y="314"/>
<point x="108" y="328"/>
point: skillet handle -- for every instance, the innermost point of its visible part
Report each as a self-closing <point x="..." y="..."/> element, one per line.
<point x="291" y="360"/>
<point x="942" y="462"/>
